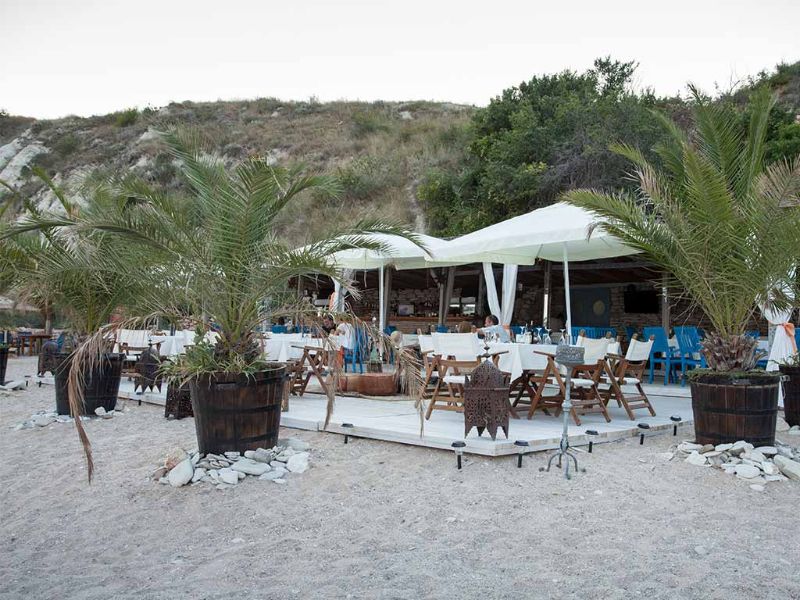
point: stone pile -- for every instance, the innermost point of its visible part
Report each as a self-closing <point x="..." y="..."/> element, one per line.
<point x="226" y="470"/>
<point x="45" y="418"/>
<point x="756" y="465"/>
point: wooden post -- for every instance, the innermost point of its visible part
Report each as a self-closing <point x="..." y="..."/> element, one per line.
<point x="480" y="300"/>
<point x="448" y="293"/>
<point x="665" y="316"/>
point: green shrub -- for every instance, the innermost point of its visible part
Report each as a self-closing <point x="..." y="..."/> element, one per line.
<point x="66" y="145"/>
<point x="126" y="118"/>
<point x="367" y="176"/>
<point x="367" y="122"/>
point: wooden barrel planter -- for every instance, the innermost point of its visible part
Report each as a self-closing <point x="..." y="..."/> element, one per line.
<point x="179" y="401"/>
<point x="376" y="384"/>
<point x="3" y="363"/>
<point x="101" y="385"/>
<point x="728" y="410"/>
<point x="791" y="394"/>
<point x="235" y="412"/>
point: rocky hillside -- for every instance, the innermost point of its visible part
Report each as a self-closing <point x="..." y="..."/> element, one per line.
<point x="379" y="150"/>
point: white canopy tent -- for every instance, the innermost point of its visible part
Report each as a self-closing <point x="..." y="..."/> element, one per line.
<point x="556" y="232"/>
<point x="400" y="253"/>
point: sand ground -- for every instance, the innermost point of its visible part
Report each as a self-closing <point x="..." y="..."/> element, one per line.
<point x="377" y="520"/>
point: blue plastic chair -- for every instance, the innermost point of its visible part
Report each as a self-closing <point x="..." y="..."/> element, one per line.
<point x="589" y="331"/>
<point x="442" y="329"/>
<point x="689" y="345"/>
<point x="280" y="329"/>
<point x="516" y="329"/>
<point x="605" y="331"/>
<point x="661" y="353"/>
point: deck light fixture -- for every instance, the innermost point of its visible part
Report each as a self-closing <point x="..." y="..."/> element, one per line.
<point x="675" y="420"/>
<point x="643" y="427"/>
<point x="522" y="446"/>
<point x="458" y="448"/>
<point x="348" y="427"/>
<point x="591" y="433"/>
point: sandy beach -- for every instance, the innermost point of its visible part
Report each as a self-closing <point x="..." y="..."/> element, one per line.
<point x="376" y="520"/>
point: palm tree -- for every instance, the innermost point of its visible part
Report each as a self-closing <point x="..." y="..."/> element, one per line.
<point x="712" y="214"/>
<point x="49" y="265"/>
<point x="214" y="254"/>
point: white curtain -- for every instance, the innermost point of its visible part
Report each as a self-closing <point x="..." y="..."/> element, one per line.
<point x="337" y="300"/>
<point x="783" y="344"/>
<point x="505" y="311"/>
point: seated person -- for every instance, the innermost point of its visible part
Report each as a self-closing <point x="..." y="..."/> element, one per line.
<point x="328" y="326"/>
<point x="492" y="325"/>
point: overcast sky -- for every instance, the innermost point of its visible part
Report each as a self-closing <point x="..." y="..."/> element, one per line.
<point x="85" y="57"/>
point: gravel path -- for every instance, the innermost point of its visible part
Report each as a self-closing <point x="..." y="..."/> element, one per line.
<point x="376" y="520"/>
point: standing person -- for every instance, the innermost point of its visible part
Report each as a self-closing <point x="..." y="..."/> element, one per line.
<point x="492" y="325"/>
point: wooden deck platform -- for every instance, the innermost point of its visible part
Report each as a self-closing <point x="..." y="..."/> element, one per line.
<point x="398" y="421"/>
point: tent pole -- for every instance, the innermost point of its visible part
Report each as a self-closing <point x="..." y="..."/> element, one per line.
<point x="386" y="297"/>
<point x="481" y="293"/>
<point x="547" y="289"/>
<point x="567" y="300"/>
<point x="381" y="297"/>
<point x="451" y="275"/>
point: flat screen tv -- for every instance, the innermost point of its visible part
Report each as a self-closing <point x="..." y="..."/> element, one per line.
<point x="642" y="301"/>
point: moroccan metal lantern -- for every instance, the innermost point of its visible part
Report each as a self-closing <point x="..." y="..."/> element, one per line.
<point x="49" y="358"/>
<point x="486" y="400"/>
<point x="148" y="369"/>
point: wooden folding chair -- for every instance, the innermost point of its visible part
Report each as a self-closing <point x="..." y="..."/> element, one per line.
<point x="585" y="396"/>
<point x="457" y="354"/>
<point x="535" y="373"/>
<point x="627" y="371"/>
<point x="430" y="365"/>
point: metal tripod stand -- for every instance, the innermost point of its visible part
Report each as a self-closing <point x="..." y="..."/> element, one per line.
<point x="569" y="356"/>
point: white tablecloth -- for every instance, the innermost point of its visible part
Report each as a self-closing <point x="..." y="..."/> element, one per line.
<point x="281" y="347"/>
<point x="173" y="345"/>
<point x="519" y="357"/>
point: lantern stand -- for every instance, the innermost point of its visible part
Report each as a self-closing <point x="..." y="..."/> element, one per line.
<point x="675" y="421"/>
<point x="568" y="356"/>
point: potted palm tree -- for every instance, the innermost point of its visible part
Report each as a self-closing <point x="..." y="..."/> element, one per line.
<point x="49" y="264"/>
<point x="216" y="255"/>
<point x="726" y="226"/>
